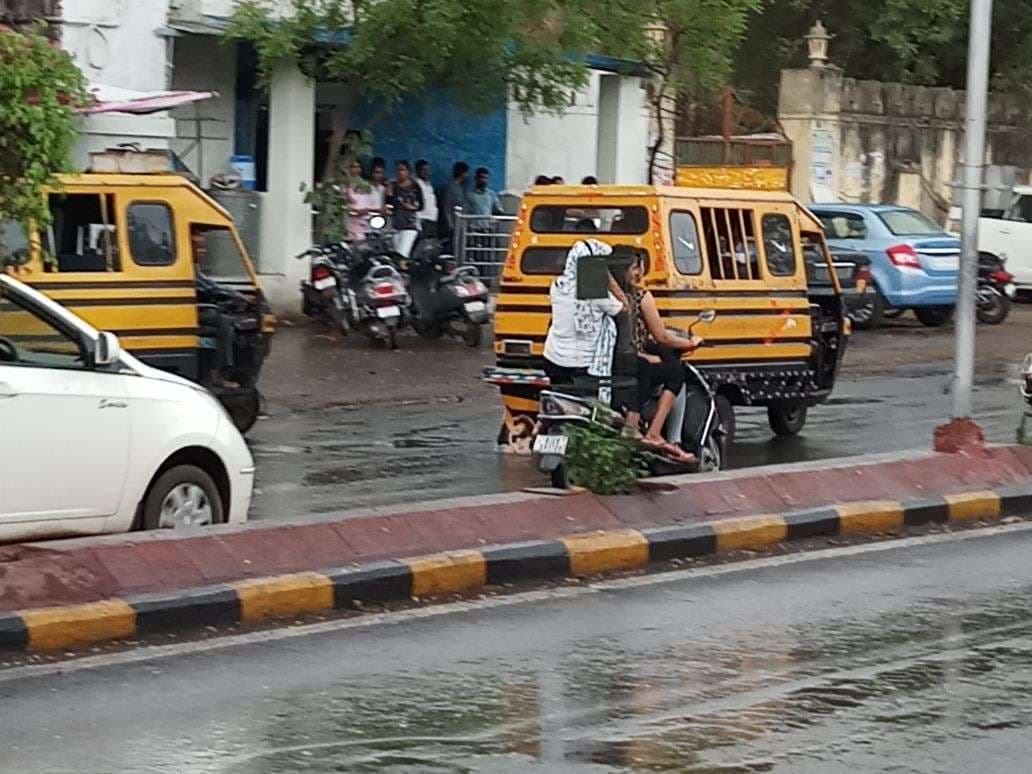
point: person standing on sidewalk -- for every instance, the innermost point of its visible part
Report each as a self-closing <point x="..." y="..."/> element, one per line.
<point x="454" y="196"/>
<point x="427" y="215"/>
<point x="482" y="201"/>
<point x="378" y="183"/>
<point x="407" y="199"/>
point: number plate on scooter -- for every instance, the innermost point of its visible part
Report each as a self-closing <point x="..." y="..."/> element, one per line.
<point x="474" y="306"/>
<point x="550" y="444"/>
<point x="325" y="282"/>
<point x="383" y="312"/>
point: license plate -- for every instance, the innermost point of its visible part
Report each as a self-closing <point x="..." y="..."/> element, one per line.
<point x="550" y="444"/>
<point x="1010" y="289"/>
<point x="944" y="263"/>
<point x="474" y="306"/>
<point x="383" y="312"/>
<point x="325" y="282"/>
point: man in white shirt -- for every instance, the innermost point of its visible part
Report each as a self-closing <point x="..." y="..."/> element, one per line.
<point x="427" y="215"/>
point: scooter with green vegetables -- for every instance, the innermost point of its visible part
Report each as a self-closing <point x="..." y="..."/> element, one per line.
<point x="694" y="422"/>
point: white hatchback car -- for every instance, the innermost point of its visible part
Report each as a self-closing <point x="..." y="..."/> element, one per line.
<point x="92" y="440"/>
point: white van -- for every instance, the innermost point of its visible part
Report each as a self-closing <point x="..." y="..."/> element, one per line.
<point x="1008" y="237"/>
<point x="92" y="440"/>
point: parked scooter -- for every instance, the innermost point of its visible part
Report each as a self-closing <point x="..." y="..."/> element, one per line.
<point x="357" y="287"/>
<point x="694" y="423"/>
<point x="445" y="298"/>
<point x="324" y="295"/>
<point x="996" y="289"/>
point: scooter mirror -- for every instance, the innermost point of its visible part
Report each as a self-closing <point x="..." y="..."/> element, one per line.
<point x="377" y="222"/>
<point x="707" y="315"/>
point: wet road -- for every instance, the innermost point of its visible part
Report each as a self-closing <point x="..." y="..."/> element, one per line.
<point x="335" y="459"/>
<point x="905" y="657"/>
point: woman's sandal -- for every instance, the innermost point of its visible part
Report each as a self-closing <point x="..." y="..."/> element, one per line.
<point x="671" y="450"/>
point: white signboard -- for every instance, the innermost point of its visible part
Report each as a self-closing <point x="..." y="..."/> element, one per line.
<point x="822" y="165"/>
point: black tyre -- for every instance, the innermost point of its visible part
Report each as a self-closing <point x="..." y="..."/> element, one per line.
<point x="712" y="457"/>
<point x="473" y="334"/>
<point x="868" y="313"/>
<point x="995" y="308"/>
<point x="427" y="330"/>
<point x="726" y="417"/>
<point x="561" y="477"/>
<point x="244" y="409"/>
<point x="786" y="419"/>
<point x="392" y="338"/>
<point x="183" y="496"/>
<point x="933" y="316"/>
<point x="339" y="317"/>
<point x="306" y="306"/>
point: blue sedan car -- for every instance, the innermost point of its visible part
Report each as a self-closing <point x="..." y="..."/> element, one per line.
<point x="914" y="263"/>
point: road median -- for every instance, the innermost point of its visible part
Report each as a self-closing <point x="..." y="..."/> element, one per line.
<point x="64" y="594"/>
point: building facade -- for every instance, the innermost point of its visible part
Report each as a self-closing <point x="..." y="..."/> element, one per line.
<point x="158" y="45"/>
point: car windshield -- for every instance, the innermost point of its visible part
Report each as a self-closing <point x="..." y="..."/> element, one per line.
<point x="908" y="222"/>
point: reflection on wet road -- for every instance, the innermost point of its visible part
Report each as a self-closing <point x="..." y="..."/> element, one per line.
<point x="907" y="659"/>
<point x="337" y="459"/>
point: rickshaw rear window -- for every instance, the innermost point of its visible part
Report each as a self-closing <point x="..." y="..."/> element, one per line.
<point x="586" y="219"/>
<point x="543" y="260"/>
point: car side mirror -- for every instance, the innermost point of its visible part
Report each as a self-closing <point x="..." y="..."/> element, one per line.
<point x="107" y="350"/>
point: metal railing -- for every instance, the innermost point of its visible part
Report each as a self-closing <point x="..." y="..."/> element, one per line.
<point x="483" y="241"/>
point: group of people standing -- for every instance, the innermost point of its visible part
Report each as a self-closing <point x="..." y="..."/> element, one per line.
<point x="414" y="206"/>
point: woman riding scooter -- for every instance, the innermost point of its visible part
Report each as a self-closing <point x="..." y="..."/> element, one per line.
<point x="659" y="351"/>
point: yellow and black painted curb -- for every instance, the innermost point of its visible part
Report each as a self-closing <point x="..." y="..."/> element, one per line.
<point x="580" y="555"/>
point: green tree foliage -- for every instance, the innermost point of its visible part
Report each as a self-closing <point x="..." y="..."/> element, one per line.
<point x="39" y="88"/>
<point x="908" y="41"/>
<point x="383" y="50"/>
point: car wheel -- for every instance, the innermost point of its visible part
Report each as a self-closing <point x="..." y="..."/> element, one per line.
<point x="933" y="316"/>
<point x="786" y="420"/>
<point x="868" y="313"/>
<point x="184" y="496"/>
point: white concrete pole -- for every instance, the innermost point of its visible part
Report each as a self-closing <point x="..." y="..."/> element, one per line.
<point x="974" y="159"/>
<point x="286" y="219"/>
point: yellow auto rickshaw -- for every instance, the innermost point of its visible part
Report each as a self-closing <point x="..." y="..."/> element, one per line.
<point x="778" y="337"/>
<point x="157" y="261"/>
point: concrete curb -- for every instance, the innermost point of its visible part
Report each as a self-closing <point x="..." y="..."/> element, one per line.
<point x="580" y="555"/>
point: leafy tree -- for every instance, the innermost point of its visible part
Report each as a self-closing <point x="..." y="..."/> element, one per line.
<point x="384" y="50"/>
<point x="39" y="88"/>
<point x="908" y="41"/>
<point x="688" y="44"/>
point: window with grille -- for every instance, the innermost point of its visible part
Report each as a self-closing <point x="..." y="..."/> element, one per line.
<point x="730" y="236"/>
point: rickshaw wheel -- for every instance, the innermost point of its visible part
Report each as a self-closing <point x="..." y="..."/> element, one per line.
<point x="245" y="410"/>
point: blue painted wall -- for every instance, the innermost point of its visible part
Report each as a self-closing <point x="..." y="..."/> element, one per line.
<point x="432" y="128"/>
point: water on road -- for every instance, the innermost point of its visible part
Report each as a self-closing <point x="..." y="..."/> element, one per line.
<point x="899" y="659"/>
<point x="341" y="458"/>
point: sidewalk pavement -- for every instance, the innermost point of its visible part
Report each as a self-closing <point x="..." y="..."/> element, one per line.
<point x="60" y="594"/>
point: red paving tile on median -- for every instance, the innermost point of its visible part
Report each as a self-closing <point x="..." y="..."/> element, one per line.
<point x="83" y="570"/>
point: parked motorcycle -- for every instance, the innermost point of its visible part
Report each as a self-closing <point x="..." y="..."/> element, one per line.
<point x="995" y="290"/>
<point x="694" y="422"/>
<point x="445" y="298"/>
<point x="357" y="287"/>
<point x="324" y="295"/>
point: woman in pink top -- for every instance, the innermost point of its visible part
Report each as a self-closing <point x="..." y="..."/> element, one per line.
<point x="362" y="202"/>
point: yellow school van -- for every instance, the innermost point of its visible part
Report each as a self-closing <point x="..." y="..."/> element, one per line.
<point x="777" y="339"/>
